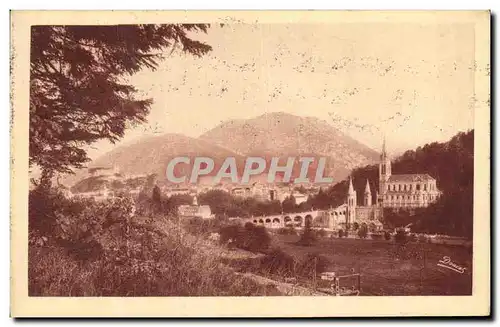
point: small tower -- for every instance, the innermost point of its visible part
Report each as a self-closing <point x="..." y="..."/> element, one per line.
<point x="368" y="195"/>
<point x="351" y="205"/>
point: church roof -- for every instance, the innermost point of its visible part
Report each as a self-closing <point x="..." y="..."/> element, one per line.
<point x="410" y="178"/>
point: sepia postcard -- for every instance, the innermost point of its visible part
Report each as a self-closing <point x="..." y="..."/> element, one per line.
<point x="250" y="163"/>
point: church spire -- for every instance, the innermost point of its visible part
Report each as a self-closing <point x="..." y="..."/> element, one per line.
<point x="383" y="155"/>
<point x="368" y="195"/>
<point x="367" y="188"/>
<point x="351" y="188"/>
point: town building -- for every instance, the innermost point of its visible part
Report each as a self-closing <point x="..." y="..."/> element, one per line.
<point x="195" y="211"/>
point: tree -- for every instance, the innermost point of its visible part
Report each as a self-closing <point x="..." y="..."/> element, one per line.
<point x="156" y="197"/>
<point x="363" y="231"/>
<point x="78" y="88"/>
<point x="289" y="204"/>
<point x="321" y="200"/>
<point x="171" y="204"/>
<point x="308" y="237"/>
<point x="219" y="201"/>
<point x="301" y="189"/>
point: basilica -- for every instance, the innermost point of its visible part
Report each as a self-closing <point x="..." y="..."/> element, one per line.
<point x="404" y="191"/>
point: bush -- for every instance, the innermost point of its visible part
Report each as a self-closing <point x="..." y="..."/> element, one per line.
<point x="46" y="206"/>
<point x="422" y="238"/>
<point x="376" y="236"/>
<point x="387" y="235"/>
<point x="308" y="236"/>
<point x="249" y="225"/>
<point x="363" y="231"/>
<point x="287" y="231"/>
<point x="229" y="233"/>
<point x="400" y="237"/>
<point x="412" y="238"/>
<point x="313" y="262"/>
<point x="255" y="239"/>
<point x="84" y="227"/>
<point x="341" y="233"/>
<point x="249" y="237"/>
<point x="201" y="227"/>
<point x="278" y="262"/>
<point x="321" y="233"/>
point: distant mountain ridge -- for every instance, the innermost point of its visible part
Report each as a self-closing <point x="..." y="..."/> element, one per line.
<point x="152" y="155"/>
<point x="281" y="134"/>
<point x="270" y="135"/>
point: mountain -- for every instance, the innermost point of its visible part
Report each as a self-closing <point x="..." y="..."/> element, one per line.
<point x="281" y="134"/>
<point x="152" y="154"/>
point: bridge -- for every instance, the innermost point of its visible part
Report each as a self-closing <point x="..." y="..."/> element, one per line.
<point x="296" y="219"/>
<point x="332" y="219"/>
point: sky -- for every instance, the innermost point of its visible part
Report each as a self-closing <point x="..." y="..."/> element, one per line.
<point x="411" y="83"/>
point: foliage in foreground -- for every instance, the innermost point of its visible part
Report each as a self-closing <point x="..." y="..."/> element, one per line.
<point x="249" y="237"/>
<point x="86" y="248"/>
<point x="278" y="263"/>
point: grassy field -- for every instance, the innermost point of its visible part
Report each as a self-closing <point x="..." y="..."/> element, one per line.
<point x="389" y="269"/>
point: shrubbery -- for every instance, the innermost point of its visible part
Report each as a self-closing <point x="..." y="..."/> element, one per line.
<point x="423" y="239"/>
<point x="313" y="262"/>
<point x="412" y="238"/>
<point x="377" y="236"/>
<point x="308" y="236"/>
<point x="287" y="231"/>
<point x="321" y="233"/>
<point x="201" y="227"/>
<point x="249" y="237"/>
<point x="278" y="262"/>
<point x="83" y="226"/>
<point x="90" y="248"/>
<point x="400" y="237"/>
<point x="363" y="231"/>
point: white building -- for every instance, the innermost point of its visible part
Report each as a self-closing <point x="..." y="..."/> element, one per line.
<point x="195" y="211"/>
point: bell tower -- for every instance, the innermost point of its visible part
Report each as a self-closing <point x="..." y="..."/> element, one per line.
<point x="384" y="171"/>
<point x="351" y="205"/>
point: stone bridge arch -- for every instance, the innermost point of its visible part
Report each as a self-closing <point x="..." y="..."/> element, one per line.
<point x="308" y="219"/>
<point x="298" y="220"/>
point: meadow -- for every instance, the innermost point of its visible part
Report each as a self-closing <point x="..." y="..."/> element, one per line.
<point x="388" y="268"/>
